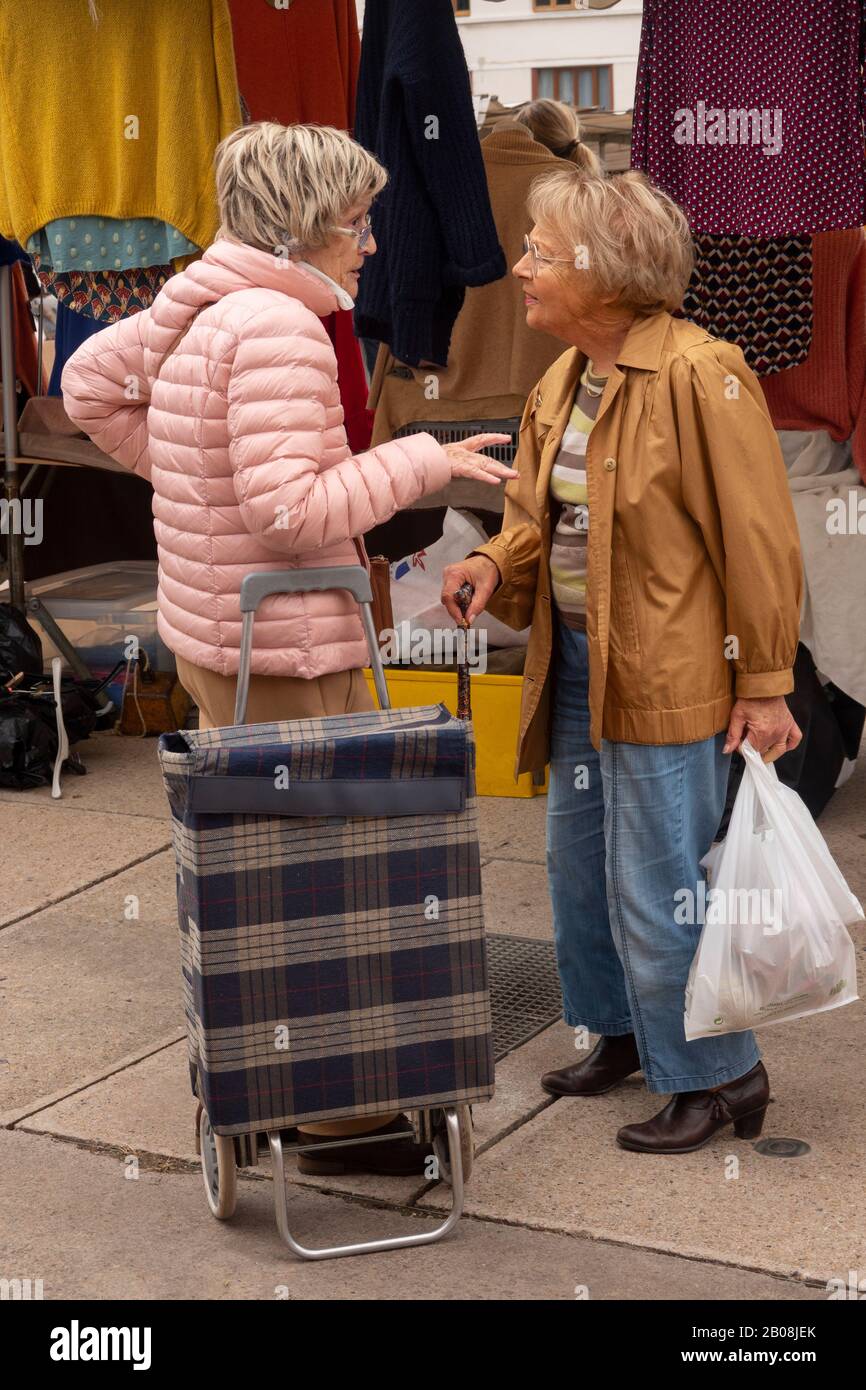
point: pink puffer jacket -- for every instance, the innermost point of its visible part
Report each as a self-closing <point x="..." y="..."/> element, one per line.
<point x="242" y="437"/>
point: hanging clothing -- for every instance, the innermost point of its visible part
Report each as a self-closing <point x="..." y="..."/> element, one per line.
<point x="828" y="390"/>
<point x="107" y="243"/>
<point x="751" y="115"/>
<point x="351" y="379"/>
<point x="70" y="332"/>
<point x="299" y="64"/>
<point x="827" y="497"/>
<point x="135" y="142"/>
<point x="433" y="223"/>
<point x="481" y="382"/>
<point x="23" y="332"/>
<point x="10" y="252"/>
<point x="756" y="293"/>
<point x="279" y="82"/>
<point x="106" y="294"/>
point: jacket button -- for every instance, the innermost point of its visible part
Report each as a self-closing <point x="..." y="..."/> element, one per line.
<point x="610" y="465"/>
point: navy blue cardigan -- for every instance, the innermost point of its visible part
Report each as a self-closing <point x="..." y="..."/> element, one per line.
<point x="433" y="225"/>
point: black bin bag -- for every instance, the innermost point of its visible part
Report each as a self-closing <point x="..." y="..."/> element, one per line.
<point x="28" y="719"/>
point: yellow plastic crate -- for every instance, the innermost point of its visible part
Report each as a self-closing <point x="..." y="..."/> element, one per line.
<point x="495" y="720"/>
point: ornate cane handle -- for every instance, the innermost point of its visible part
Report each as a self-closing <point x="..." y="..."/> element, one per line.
<point x="464" y="706"/>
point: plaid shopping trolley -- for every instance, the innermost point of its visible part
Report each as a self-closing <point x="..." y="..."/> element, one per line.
<point x="331" y="926"/>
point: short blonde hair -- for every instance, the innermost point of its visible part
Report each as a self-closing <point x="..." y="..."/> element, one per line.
<point x="636" y="240"/>
<point x="290" y="185"/>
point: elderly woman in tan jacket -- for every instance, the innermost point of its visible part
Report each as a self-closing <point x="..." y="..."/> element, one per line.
<point x="651" y="542"/>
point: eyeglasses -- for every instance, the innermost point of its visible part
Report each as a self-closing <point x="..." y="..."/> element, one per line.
<point x="362" y="233"/>
<point x="536" y="259"/>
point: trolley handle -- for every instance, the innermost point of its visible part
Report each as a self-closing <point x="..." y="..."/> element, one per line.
<point x="255" y="588"/>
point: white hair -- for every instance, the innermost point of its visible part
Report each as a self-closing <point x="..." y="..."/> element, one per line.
<point x="290" y="185"/>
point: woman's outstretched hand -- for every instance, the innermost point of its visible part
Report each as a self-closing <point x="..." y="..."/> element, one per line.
<point x="466" y="462"/>
<point x="481" y="573"/>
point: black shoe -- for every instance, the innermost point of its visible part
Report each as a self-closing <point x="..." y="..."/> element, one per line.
<point x="398" y="1157"/>
<point x="609" y="1063"/>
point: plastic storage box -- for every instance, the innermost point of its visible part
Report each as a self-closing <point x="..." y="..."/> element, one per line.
<point x="495" y="720"/>
<point x="99" y="607"/>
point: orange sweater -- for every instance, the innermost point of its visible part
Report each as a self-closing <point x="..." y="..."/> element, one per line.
<point x="828" y="390"/>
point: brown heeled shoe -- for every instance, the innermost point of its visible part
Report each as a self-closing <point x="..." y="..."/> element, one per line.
<point x="690" y="1119"/>
<point x="610" y="1062"/>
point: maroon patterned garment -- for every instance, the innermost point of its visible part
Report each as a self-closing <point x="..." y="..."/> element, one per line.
<point x="757" y="293"/>
<point x="750" y="113"/>
<point x="106" y="295"/>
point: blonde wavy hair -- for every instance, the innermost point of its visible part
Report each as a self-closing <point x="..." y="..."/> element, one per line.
<point x="556" y="125"/>
<point x="290" y="185"/>
<point x="634" y="239"/>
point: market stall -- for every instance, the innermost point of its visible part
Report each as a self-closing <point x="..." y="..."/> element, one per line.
<point x="780" y="270"/>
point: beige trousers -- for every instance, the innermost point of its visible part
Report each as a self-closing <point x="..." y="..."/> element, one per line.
<point x="284" y="697"/>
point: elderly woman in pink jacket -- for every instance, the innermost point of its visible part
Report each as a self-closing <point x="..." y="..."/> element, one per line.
<point x="224" y="394"/>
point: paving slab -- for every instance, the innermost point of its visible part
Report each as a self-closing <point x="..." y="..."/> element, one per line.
<point x="564" y="1171"/>
<point x="516" y="900"/>
<point x="147" y="1107"/>
<point x="47" y="855"/>
<point x="71" y="1218"/>
<point x="847" y="844"/>
<point x="123" y="775"/>
<point x="512" y="827"/>
<point x="843" y="825"/>
<point x="81" y="985"/>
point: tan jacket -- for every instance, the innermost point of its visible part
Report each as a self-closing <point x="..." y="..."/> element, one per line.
<point x="694" y="574"/>
<point x="494" y="359"/>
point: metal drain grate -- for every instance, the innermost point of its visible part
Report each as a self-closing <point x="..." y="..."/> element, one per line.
<point x="524" y="990"/>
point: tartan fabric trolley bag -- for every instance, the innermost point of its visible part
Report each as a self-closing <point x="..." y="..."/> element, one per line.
<point x="332" y="936"/>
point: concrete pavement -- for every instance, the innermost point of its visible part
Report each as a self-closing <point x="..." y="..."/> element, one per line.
<point x="93" y="1087"/>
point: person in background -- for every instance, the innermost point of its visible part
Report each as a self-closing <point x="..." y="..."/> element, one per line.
<point x="556" y="125"/>
<point x="495" y="357"/>
<point x="651" y="542"/>
<point x="224" y="395"/>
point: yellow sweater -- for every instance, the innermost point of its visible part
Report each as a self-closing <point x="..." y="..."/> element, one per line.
<point x="119" y="118"/>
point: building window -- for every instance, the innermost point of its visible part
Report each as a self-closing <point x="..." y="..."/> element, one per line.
<point x="461" y="8"/>
<point x="581" y="87"/>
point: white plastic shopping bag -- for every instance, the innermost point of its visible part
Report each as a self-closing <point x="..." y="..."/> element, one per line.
<point x="774" y="943"/>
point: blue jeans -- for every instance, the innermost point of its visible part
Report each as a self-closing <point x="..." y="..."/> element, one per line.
<point x="626" y="829"/>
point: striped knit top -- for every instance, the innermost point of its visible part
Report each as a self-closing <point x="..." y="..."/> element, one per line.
<point x="568" y="487"/>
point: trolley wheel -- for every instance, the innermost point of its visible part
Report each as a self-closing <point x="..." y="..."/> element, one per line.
<point x="467" y="1143"/>
<point x="218" y="1168"/>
